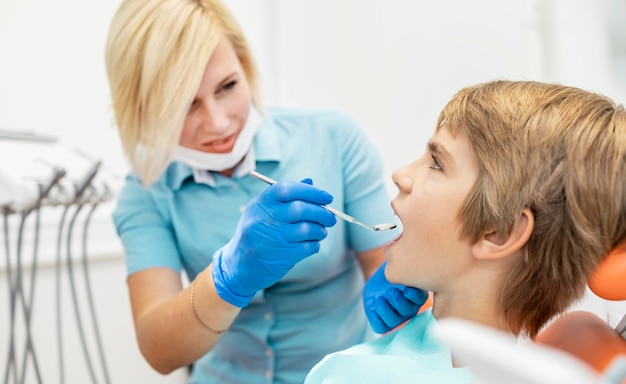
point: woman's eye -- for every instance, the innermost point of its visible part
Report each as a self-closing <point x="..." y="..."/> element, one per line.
<point x="436" y="164"/>
<point x="228" y="86"/>
<point x="194" y="104"/>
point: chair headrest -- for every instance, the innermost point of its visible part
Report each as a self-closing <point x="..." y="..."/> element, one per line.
<point x="586" y="336"/>
<point x="609" y="279"/>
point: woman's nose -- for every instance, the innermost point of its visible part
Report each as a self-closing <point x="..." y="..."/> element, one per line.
<point x="213" y="119"/>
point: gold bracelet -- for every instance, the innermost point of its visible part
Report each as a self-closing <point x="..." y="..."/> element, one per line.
<point x="193" y="308"/>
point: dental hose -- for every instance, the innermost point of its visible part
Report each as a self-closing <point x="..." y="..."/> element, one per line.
<point x="58" y="296"/>
<point x="15" y="290"/>
<point x="28" y="307"/>
<point x="11" y="352"/>
<point x="70" y="270"/>
<point x="90" y="300"/>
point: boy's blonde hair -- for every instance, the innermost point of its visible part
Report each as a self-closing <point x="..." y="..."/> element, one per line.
<point x="156" y="55"/>
<point x="561" y="152"/>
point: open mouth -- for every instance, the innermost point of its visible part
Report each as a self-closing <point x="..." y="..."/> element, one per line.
<point x="393" y="208"/>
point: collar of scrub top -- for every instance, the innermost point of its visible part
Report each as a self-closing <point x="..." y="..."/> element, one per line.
<point x="265" y="147"/>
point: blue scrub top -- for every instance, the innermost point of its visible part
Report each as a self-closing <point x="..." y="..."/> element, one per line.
<point x="317" y="307"/>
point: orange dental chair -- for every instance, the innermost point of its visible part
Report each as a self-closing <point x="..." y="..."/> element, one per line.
<point x="583" y="334"/>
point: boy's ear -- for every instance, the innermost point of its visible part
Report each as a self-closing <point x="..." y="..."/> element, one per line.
<point x="493" y="245"/>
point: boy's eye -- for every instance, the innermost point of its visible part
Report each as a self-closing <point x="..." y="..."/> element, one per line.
<point x="436" y="164"/>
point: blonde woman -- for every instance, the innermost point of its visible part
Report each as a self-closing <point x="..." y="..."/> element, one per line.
<point x="267" y="299"/>
<point x="520" y="194"/>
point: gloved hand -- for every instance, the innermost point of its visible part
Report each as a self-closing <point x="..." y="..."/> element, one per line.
<point x="278" y="228"/>
<point x="388" y="305"/>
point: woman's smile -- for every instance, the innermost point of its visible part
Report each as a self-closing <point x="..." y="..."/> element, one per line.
<point x="223" y="145"/>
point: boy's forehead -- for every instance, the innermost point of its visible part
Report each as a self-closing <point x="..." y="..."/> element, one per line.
<point x="444" y="137"/>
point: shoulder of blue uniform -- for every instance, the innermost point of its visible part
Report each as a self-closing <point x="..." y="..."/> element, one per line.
<point x="328" y="115"/>
<point x="173" y="177"/>
<point x="134" y="192"/>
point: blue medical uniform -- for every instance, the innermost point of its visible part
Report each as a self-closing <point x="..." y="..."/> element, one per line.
<point x="408" y="355"/>
<point x="317" y="307"/>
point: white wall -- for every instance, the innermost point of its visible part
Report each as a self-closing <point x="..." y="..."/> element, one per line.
<point x="390" y="63"/>
<point x="52" y="76"/>
<point x="393" y="64"/>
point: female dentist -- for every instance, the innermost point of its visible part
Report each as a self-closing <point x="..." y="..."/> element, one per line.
<point x="267" y="298"/>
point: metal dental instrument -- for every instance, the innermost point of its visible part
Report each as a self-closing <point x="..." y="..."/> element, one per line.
<point x="341" y="215"/>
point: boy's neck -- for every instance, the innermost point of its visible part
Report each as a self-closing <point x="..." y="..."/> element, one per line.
<point x="477" y="304"/>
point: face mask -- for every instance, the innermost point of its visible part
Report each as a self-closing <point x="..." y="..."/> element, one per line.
<point x="221" y="161"/>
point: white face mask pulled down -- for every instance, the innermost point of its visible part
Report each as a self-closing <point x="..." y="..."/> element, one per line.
<point x="217" y="162"/>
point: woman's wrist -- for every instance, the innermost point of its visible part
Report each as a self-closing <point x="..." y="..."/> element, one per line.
<point x="214" y="314"/>
<point x="195" y="313"/>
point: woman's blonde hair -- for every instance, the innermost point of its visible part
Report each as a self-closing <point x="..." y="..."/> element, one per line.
<point x="561" y="152"/>
<point x="156" y="55"/>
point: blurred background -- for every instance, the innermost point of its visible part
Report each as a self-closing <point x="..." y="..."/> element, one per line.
<point x="392" y="64"/>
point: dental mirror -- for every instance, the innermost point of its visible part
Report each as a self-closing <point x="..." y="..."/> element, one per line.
<point x="341" y="215"/>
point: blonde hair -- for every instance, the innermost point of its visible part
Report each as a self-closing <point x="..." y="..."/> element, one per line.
<point x="561" y="152"/>
<point x="156" y="55"/>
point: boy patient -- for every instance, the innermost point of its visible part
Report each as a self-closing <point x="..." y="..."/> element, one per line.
<point x="517" y="198"/>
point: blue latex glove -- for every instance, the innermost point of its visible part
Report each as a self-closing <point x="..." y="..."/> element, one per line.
<point x="278" y="228"/>
<point x="388" y="305"/>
